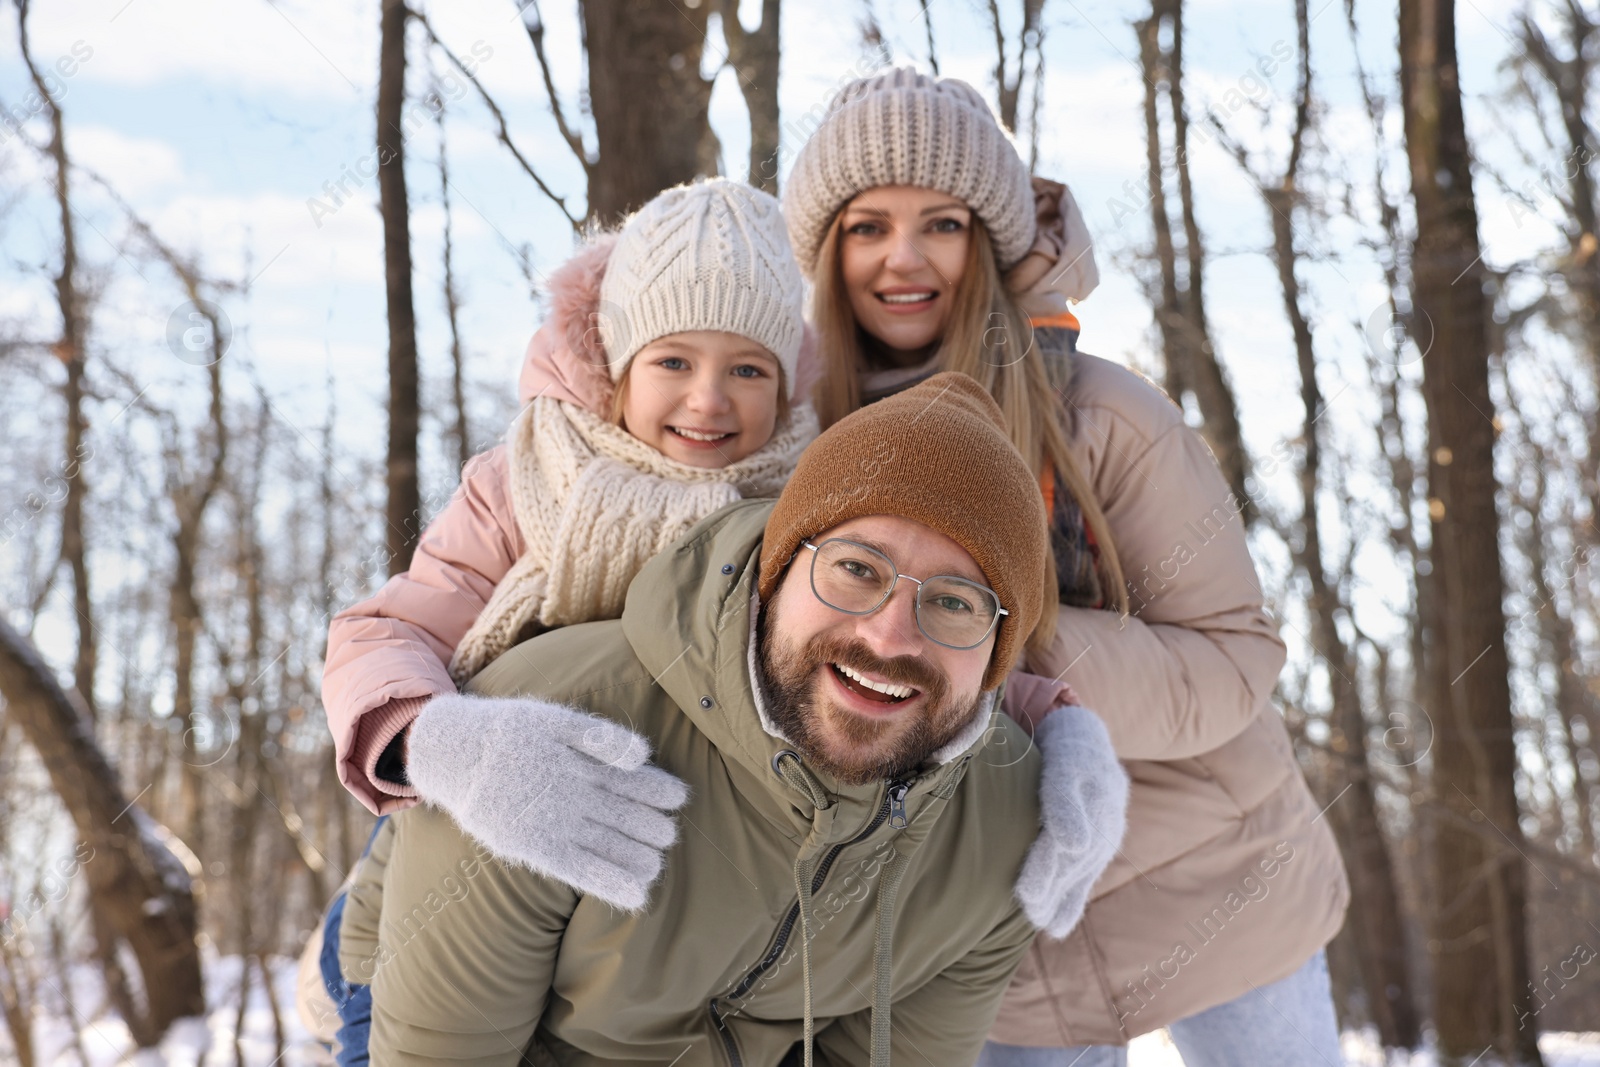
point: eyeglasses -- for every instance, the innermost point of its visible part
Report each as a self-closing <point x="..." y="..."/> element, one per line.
<point x="857" y="580"/>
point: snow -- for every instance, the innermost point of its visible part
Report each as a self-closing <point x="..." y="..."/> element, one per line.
<point x="190" y="1042"/>
<point x="1361" y="1049"/>
<point x="208" y="1042"/>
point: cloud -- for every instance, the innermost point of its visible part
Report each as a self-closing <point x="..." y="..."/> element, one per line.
<point x="316" y="50"/>
<point x="140" y="166"/>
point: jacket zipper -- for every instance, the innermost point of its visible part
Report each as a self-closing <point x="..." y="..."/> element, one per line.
<point x="896" y="799"/>
<point x="892" y="809"/>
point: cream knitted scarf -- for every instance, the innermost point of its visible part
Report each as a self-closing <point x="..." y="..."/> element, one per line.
<point x="594" y="504"/>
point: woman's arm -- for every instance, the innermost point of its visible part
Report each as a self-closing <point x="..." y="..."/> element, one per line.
<point x="1198" y="656"/>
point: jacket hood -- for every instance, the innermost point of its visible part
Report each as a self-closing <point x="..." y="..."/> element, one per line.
<point x="689" y="619"/>
<point x="565" y="359"/>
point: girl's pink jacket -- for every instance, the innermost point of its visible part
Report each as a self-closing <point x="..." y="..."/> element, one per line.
<point x="388" y="655"/>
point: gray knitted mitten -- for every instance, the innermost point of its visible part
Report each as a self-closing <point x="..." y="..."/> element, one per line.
<point x="564" y="793"/>
<point x="1083" y="806"/>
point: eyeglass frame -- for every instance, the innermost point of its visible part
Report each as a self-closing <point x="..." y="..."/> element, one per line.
<point x="916" y="607"/>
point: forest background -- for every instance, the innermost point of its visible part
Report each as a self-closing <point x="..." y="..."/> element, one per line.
<point x="269" y="270"/>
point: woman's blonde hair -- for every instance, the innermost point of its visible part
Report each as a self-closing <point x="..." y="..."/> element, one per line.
<point x="990" y="339"/>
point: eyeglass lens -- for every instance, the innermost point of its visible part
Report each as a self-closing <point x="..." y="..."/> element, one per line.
<point x="853" y="578"/>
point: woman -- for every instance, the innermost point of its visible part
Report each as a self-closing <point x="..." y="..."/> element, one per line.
<point x="929" y="250"/>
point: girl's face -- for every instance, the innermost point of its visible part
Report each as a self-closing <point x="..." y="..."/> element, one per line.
<point x="704" y="398"/>
<point x="902" y="251"/>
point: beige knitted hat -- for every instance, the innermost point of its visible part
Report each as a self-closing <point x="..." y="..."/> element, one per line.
<point x="711" y="255"/>
<point x="902" y="127"/>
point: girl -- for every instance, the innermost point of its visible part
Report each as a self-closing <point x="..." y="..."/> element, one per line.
<point x="658" y="391"/>
<point x="662" y="387"/>
<point x="930" y="250"/>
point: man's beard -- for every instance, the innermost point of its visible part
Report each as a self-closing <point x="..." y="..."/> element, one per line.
<point x="852" y="748"/>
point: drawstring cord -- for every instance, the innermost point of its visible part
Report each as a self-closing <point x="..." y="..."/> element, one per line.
<point x="788" y="765"/>
<point x="802" y="885"/>
<point x="883" y="955"/>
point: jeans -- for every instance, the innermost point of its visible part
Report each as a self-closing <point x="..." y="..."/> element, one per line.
<point x="1288" y="1023"/>
<point x="353" y="1000"/>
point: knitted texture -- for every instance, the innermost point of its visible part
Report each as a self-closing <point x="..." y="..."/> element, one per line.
<point x="707" y="256"/>
<point x="594" y="504"/>
<point x="902" y="127"/>
<point x="1083" y="810"/>
<point x="560" y="791"/>
<point x="937" y="454"/>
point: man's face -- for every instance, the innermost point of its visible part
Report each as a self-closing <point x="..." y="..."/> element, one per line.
<point x="808" y="652"/>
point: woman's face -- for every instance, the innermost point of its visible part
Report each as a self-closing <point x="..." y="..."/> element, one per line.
<point x="902" y="251"/>
<point x="704" y="398"/>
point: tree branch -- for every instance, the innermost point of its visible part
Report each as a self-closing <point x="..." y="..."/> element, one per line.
<point x="503" y="132"/>
<point x="533" y="22"/>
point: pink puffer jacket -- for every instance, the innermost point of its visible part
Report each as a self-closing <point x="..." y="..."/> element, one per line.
<point x="388" y="655"/>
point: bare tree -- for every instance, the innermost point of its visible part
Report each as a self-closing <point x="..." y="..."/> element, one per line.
<point x="1575" y="702"/>
<point x="70" y="349"/>
<point x="651" y="107"/>
<point x="1376" y="925"/>
<point x="452" y="308"/>
<point x="138" y="888"/>
<point x="1192" y="366"/>
<point x="753" y="55"/>
<point x="1479" y="943"/>
<point x="404" y="508"/>
<point x="1008" y="75"/>
<point x="1569" y="76"/>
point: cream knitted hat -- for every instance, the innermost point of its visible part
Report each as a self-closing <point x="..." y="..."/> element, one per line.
<point x="902" y="127"/>
<point x="711" y="255"/>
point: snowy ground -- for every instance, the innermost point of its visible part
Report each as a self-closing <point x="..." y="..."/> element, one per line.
<point x="105" y="1041"/>
<point x="1362" y="1050"/>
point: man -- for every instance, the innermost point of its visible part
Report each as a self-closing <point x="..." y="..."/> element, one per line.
<point x="822" y="674"/>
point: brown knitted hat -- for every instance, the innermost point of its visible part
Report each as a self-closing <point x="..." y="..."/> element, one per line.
<point x="937" y="454"/>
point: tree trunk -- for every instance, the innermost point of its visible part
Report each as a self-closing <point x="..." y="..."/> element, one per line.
<point x="1192" y="365"/>
<point x="1212" y="391"/>
<point x="1570" y="79"/>
<point x="754" y="57"/>
<point x="1168" y="306"/>
<point x="1376" y="926"/>
<point x="191" y="498"/>
<point x="452" y="308"/>
<point x="650" y="104"/>
<point x="70" y="350"/>
<point x="1008" y="80"/>
<point x="137" y="886"/>
<point x="1479" y="944"/>
<point x="1375" y="916"/>
<point x="405" y="496"/>
<point x="1575" y="703"/>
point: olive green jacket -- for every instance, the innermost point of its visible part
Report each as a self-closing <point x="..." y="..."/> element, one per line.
<point x="910" y="883"/>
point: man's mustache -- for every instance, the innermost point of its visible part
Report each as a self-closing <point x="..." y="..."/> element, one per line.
<point x="914" y="671"/>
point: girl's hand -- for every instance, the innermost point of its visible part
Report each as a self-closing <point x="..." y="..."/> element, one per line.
<point x="562" y="792"/>
<point x="1028" y="698"/>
